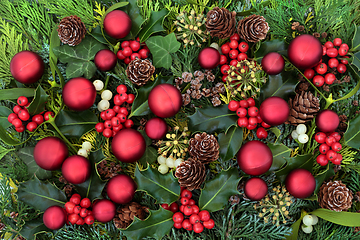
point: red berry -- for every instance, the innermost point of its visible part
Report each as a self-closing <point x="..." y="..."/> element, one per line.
<point x="117" y="100"/>
<point x="209" y="224"/>
<point x="329" y="140"/>
<point x="344" y="61"/>
<point x="186" y="194"/>
<point x="225" y="69"/>
<point x="39" y="119"/>
<point x="309" y="73"/>
<point x="127" y="51"/>
<point x="343" y="51"/>
<point x="225" y="49"/>
<point x="198" y="227"/>
<point x="331" y="155"/>
<point x="251" y="102"/>
<point x="75" y="199"/>
<point x="123" y="97"/>
<point x="116" y="108"/>
<point x="107" y="133"/>
<point x="333" y="63"/>
<point x="181" y="208"/>
<point x="99" y="127"/>
<point x="184" y="201"/>
<point x="191" y="202"/>
<point x="318" y="81"/>
<point x="344" y="45"/>
<point x="320" y="137"/>
<point x="177" y="225"/>
<point x="187" y="225"/>
<point x="90" y="212"/>
<point x="22" y="101"/>
<point x="243" y="122"/>
<point x="252" y="121"/>
<point x="121" y="117"/>
<point x="332" y="52"/>
<point x="125" y="44"/>
<point x="235" y="37"/>
<point x="337" y="42"/>
<point x="241" y="112"/>
<point x="31" y="126"/>
<point x="144" y="53"/>
<point x="324" y="148"/>
<point x="336" y="135"/>
<point x="129" y="123"/>
<point x="322" y="160"/>
<point x="47" y="115"/>
<point x="204" y="215"/>
<point x="110" y="113"/>
<point x="242" y="57"/>
<point x="20" y="129"/>
<point x="178" y="217"/>
<point x="338" y="159"/>
<point x="194" y="218"/>
<point x="188" y="210"/>
<point x="120" y="55"/>
<point x="329" y="44"/>
<point x="135" y="55"/>
<point x="324" y="50"/>
<point x="223" y="59"/>
<point x="341" y="68"/>
<point x="124" y="111"/>
<point x="233" y="44"/>
<point x="80" y="221"/>
<point x="261" y="133"/>
<point x="244" y="103"/>
<point x="253" y="111"/>
<point x="89" y="220"/>
<point x="17" y="109"/>
<point x="77" y="209"/>
<point x="127" y="60"/>
<point x="233" y="62"/>
<point x="118" y="128"/>
<point x="73" y="218"/>
<point x="330" y="78"/>
<point x="259" y="120"/>
<point x="11" y="117"/>
<point x="195" y="209"/>
<point x="233" y="105"/>
<point x="131" y="98"/>
<point x="115" y="122"/>
<point x="24" y="115"/>
<point x="135" y="46"/>
<point x="17" y="123"/>
<point x="165" y="206"/>
<point x="243" y="47"/>
<point x="265" y="125"/>
<point x="103" y="115"/>
<point x="85" y="203"/>
<point x="174" y="207"/>
<point x="336" y="146"/>
<point x="321" y="68"/>
<point x="83" y="212"/>
<point x="107" y="124"/>
<point x="69" y="207"/>
<point x="224" y="78"/>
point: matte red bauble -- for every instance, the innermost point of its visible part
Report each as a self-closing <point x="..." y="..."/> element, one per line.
<point x="273" y="63"/>
<point x="121" y="189"/>
<point x="50" y="153"/>
<point x="209" y="58"/>
<point x="254" y="158"/>
<point x="105" y="60"/>
<point x="27" y="67"/>
<point x="54" y="217"/>
<point x="305" y="51"/>
<point x="300" y="183"/>
<point x="76" y="169"/>
<point x="255" y="188"/>
<point x="128" y="145"/>
<point x="327" y="121"/>
<point x="165" y="100"/>
<point x="79" y="94"/>
<point x="274" y="111"/>
<point x="104" y="210"/>
<point x="117" y="24"/>
<point x="156" y="128"/>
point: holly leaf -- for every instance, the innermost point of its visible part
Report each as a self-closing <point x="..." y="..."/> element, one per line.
<point x="133" y="10"/>
<point x="320" y="178"/>
<point x="6" y="138"/>
<point x="4" y="113"/>
<point x="276" y="45"/>
<point x="154" y="25"/>
<point x="14" y="93"/>
<point x="149" y="156"/>
<point x="26" y="154"/>
<point x="280" y="152"/>
<point x="349" y="219"/>
<point x="356" y="40"/>
<point x="31" y="228"/>
<point x="230" y="142"/>
<point x="115" y="6"/>
<point x="300" y="161"/>
<point x="37" y="105"/>
<point x="147" y="139"/>
<point x="352" y="134"/>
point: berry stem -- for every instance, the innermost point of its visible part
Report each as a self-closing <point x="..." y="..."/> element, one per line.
<point x="106" y="81"/>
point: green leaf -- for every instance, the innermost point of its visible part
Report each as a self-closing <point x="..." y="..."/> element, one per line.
<point x="164" y="188"/>
<point x="149" y="156"/>
<point x="115" y="6"/>
<point x="279" y="152"/>
<point x="4" y="151"/>
<point x="26" y="154"/>
<point x="352" y="134"/>
<point x="14" y="93"/>
<point x="320" y="178"/>
<point x="147" y="139"/>
<point x="161" y="47"/>
<point x="300" y="161"/>
<point x="79" y="68"/>
<point x="31" y="228"/>
<point x="133" y="10"/>
<point x="217" y="191"/>
<point x="349" y="219"/>
<point x="356" y="40"/>
<point x="356" y="60"/>
<point x="54" y="42"/>
<point x="281" y="85"/>
<point x="295" y="227"/>
<point x="230" y="142"/>
<point x="275" y="45"/>
<point x="37" y="105"/>
<point x="4" y="113"/>
<point x="276" y="131"/>
<point x="6" y="138"/>
<point x="154" y="25"/>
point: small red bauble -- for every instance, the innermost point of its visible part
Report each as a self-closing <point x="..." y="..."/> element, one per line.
<point x="50" y="153"/>
<point x="300" y="183"/>
<point x="255" y="188"/>
<point x="305" y="51"/>
<point x="254" y="158"/>
<point x="121" y="189"/>
<point x="156" y="128"/>
<point x="117" y="24"/>
<point x="274" y="111"/>
<point x="327" y="121"/>
<point x="27" y="67"/>
<point x="273" y="63"/>
<point x="105" y="60"/>
<point x="54" y="217"/>
<point x="128" y="145"/>
<point x="165" y="100"/>
<point x="79" y="94"/>
<point x="104" y="210"/>
<point x="209" y="58"/>
<point x="76" y="169"/>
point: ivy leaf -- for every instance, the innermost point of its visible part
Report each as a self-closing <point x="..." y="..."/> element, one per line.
<point x="79" y="68"/>
<point x="349" y="219"/>
<point x="26" y="154"/>
<point x="31" y="228"/>
<point x="4" y="113"/>
<point x="149" y="156"/>
<point x="154" y="25"/>
<point x="14" y="93"/>
<point x="230" y="142"/>
<point x="356" y="40"/>
<point x="115" y="6"/>
<point x="320" y="178"/>
<point x="275" y="45"/>
<point x="300" y="161"/>
<point x="352" y="134"/>
<point x="279" y="152"/>
<point x="37" y="105"/>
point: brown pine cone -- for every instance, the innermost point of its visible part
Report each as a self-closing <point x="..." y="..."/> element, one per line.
<point x="187" y="76"/>
<point x="125" y="215"/>
<point x="335" y="196"/>
<point x="209" y="76"/>
<point x="206" y="92"/>
<point x="216" y="100"/>
<point x="303" y="108"/>
<point x="220" y="88"/>
<point x="190" y="174"/>
<point x="186" y="99"/>
<point x="220" y="22"/>
<point x="204" y="147"/>
<point x="71" y="30"/>
<point x="253" y="28"/>
<point x="199" y="75"/>
<point x="140" y="71"/>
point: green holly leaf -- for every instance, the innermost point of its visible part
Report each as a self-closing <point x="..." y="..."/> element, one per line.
<point x="275" y="45"/>
<point x="356" y="40"/>
<point x="133" y="10"/>
<point x="37" y="105"/>
<point x="4" y="113"/>
<point x="320" y="178"/>
<point x="14" y="93"/>
<point x="300" y="161"/>
<point x="26" y="154"/>
<point x="114" y="7"/>
<point x="149" y="156"/>
<point x="280" y="152"/>
<point x="32" y="228"/>
<point x="230" y="142"/>
<point x="352" y="134"/>
<point x="6" y="138"/>
<point x="154" y="25"/>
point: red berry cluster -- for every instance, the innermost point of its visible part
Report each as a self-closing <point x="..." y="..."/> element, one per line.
<point x="131" y="50"/>
<point x="77" y="210"/>
<point x="116" y="118"/>
<point x="329" y="148"/>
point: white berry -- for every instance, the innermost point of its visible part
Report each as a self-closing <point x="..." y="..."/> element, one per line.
<point x="301" y="128"/>
<point x="106" y="95"/>
<point x="307" y="229"/>
<point x="294" y="135"/>
<point x="86" y="145"/>
<point x="177" y="162"/>
<point x="161" y="159"/>
<point x="103" y="105"/>
<point x="170" y="162"/>
<point x="163" y="169"/>
<point x="308" y="220"/>
<point x="82" y="152"/>
<point x="315" y="219"/>
<point x="99" y="85"/>
<point x="303" y="138"/>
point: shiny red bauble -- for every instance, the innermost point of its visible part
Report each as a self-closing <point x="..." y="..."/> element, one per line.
<point x="255" y="188"/>
<point x="54" y="217"/>
<point x="79" y="94"/>
<point x="156" y="128"/>
<point x="117" y="24"/>
<point x="76" y="169"/>
<point x="121" y="189"/>
<point x="105" y="60"/>
<point x="50" y="153"/>
<point x="165" y="100"/>
<point x="327" y="121"/>
<point x="254" y="158"/>
<point x="104" y="210"/>
<point x="273" y="63"/>
<point x="274" y="111"/>
<point x="305" y="51"/>
<point x="27" y="67"/>
<point x="128" y="145"/>
<point x="209" y="58"/>
<point x="300" y="183"/>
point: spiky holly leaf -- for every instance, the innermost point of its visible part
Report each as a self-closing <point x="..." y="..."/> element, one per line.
<point x="300" y="161"/>
<point x="37" y="105"/>
<point x="26" y="154"/>
<point x="154" y="25"/>
<point x="279" y="152"/>
<point x="230" y="142"/>
<point x="32" y="228"/>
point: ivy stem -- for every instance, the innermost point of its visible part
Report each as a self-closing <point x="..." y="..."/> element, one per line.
<point x="106" y="81"/>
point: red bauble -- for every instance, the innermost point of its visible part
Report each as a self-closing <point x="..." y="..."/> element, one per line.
<point x="209" y="58"/>
<point x="274" y="111"/>
<point x="79" y="94"/>
<point x="305" y="51"/>
<point x="254" y="158"/>
<point x="165" y="100"/>
<point x="273" y="63"/>
<point x="50" y="153"/>
<point x="117" y="24"/>
<point x="300" y="183"/>
<point x="54" y="217"/>
<point x="105" y="60"/>
<point x="255" y="188"/>
<point x="121" y="189"/>
<point x="104" y="210"/>
<point x="128" y="145"/>
<point x="156" y="128"/>
<point x="327" y="121"/>
<point x="27" y="67"/>
<point x="76" y="169"/>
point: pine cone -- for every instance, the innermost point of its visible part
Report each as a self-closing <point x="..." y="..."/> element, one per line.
<point x="220" y="22"/>
<point x="216" y="100"/>
<point x="190" y="174"/>
<point x="186" y="99"/>
<point x="303" y="108"/>
<point x="140" y="71"/>
<point x="71" y="30"/>
<point x="209" y="76"/>
<point x="125" y="215"/>
<point x="204" y="147"/>
<point x="335" y="196"/>
<point x="253" y="28"/>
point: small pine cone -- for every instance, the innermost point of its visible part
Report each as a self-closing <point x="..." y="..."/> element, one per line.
<point x="143" y="121"/>
<point x="234" y="199"/>
<point x="196" y="94"/>
<point x="62" y="180"/>
<point x="294" y="25"/>
<point x="199" y="75"/>
<point x="71" y="30"/>
<point x="335" y="196"/>
<point x="179" y="81"/>
<point x="190" y="174"/>
<point x="316" y="34"/>
<point x="301" y="28"/>
<point x="139" y="71"/>
<point x="125" y="215"/>
<point x="303" y="108"/>
<point x="187" y="76"/>
<point x="324" y="35"/>
<point x="357" y="196"/>
<point x="220" y="22"/>
<point x="209" y="76"/>
<point x="253" y="28"/>
<point x="220" y="88"/>
<point x="326" y="88"/>
<point x="216" y="100"/>
<point x="2" y="226"/>
<point x="186" y="99"/>
<point x="68" y="190"/>
<point x="206" y="92"/>
<point x="195" y="84"/>
<point x="204" y="147"/>
<point x="343" y="118"/>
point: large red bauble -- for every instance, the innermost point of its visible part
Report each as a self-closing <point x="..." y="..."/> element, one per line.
<point x="105" y="60"/>
<point x="209" y="58"/>
<point x="305" y="51"/>
<point x="274" y="111"/>
<point x="27" y="67"/>
<point x="300" y="183"/>
<point x="255" y="188"/>
<point x="327" y="121"/>
<point x="121" y="189"/>
<point x="54" y="217"/>
<point x="104" y="210"/>
<point x="117" y="24"/>
<point x="50" y="153"/>
<point x="165" y="100"/>
<point x="273" y="63"/>
<point x="156" y="128"/>
<point x="79" y="94"/>
<point x="254" y="158"/>
<point x="76" y="169"/>
<point x="128" y="145"/>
